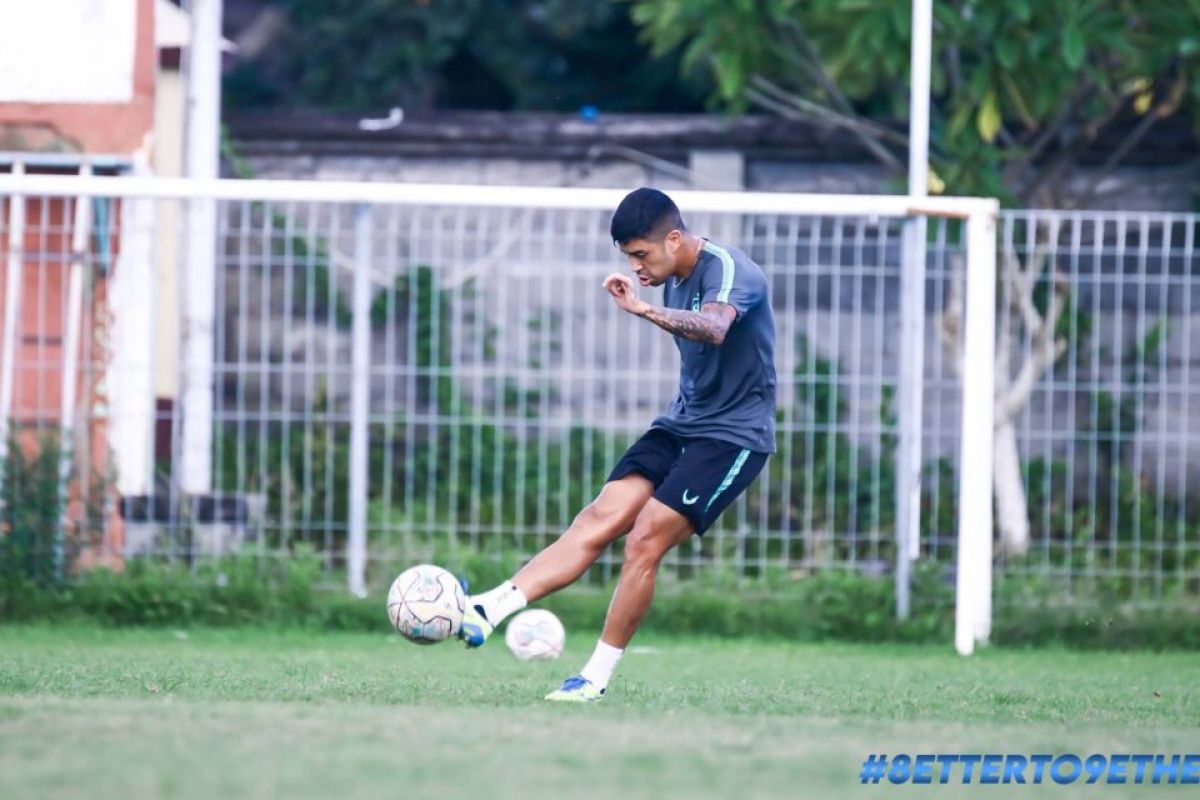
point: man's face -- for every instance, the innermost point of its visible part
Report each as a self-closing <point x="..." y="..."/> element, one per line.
<point x="652" y="260"/>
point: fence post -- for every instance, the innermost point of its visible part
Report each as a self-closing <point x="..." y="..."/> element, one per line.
<point x="80" y="238"/>
<point x="910" y="406"/>
<point x="360" y="380"/>
<point x="973" y="614"/>
<point x="12" y="306"/>
<point x="202" y="160"/>
<point x="912" y="315"/>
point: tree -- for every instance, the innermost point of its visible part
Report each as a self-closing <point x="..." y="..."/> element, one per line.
<point x="1020" y="88"/>
<point x="1020" y="319"/>
<point x="546" y="55"/>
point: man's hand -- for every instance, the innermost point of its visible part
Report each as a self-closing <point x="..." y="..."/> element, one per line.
<point x="708" y="325"/>
<point x="623" y="293"/>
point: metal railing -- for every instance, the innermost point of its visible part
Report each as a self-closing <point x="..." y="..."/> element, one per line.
<point x="447" y="375"/>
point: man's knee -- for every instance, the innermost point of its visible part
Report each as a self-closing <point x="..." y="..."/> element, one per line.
<point x="602" y="521"/>
<point x="602" y="514"/>
<point x="616" y="506"/>
<point x="648" y="542"/>
<point x="656" y="530"/>
<point x="643" y="548"/>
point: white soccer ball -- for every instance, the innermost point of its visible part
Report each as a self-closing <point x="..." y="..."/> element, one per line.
<point x="426" y="604"/>
<point x="535" y="635"/>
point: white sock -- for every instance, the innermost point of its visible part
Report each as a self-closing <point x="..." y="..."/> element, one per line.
<point x="600" y="666"/>
<point x="500" y="602"/>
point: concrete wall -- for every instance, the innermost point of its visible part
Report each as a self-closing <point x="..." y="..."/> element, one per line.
<point x="1143" y="188"/>
<point x="105" y="126"/>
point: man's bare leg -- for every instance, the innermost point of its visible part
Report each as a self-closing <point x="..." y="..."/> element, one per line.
<point x="657" y="529"/>
<point x="608" y="517"/>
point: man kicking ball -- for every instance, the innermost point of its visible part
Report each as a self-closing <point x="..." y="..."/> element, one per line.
<point x="695" y="459"/>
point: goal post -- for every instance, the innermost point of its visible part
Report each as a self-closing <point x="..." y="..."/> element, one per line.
<point x="811" y="244"/>
<point x="973" y="604"/>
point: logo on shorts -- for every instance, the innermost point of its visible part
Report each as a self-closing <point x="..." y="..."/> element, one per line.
<point x="689" y="501"/>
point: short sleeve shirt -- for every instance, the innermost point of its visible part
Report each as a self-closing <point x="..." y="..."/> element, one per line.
<point x="726" y="392"/>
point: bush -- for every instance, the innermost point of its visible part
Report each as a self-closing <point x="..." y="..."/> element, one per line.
<point x="30" y="510"/>
<point x="232" y="591"/>
<point x="1034" y="610"/>
<point x="1113" y="628"/>
<point x="830" y="606"/>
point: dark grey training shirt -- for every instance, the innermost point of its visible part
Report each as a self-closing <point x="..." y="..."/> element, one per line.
<point x="726" y="392"/>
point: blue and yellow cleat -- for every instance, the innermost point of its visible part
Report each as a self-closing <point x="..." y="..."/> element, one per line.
<point x="576" y="689"/>
<point x="475" y="628"/>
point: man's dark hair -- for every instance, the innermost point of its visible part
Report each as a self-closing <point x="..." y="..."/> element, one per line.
<point x="645" y="214"/>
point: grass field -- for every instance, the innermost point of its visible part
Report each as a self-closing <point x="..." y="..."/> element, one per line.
<point x="247" y="713"/>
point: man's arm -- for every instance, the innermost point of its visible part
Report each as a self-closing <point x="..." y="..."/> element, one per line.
<point x="708" y="325"/>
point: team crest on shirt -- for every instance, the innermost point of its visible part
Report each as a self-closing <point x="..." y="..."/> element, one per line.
<point x="696" y="302"/>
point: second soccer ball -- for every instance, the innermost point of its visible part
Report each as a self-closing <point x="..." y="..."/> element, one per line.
<point x="535" y="635"/>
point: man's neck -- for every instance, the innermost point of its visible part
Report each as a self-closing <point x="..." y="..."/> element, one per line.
<point x="689" y="257"/>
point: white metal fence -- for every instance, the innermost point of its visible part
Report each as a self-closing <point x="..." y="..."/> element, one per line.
<point x="491" y="384"/>
<point x="1109" y="441"/>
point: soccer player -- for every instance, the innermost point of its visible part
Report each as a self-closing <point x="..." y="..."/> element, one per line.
<point x="696" y="458"/>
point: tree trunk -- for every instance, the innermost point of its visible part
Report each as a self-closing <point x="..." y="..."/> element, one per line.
<point x="1011" y="508"/>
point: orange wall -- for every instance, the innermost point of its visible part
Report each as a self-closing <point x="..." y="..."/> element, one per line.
<point x="111" y="128"/>
<point x="37" y="368"/>
<point x="40" y="354"/>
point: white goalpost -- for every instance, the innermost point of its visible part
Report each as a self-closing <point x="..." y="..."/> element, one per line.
<point x="576" y="222"/>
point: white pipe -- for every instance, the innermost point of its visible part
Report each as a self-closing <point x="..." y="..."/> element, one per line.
<point x="918" y="98"/>
<point x="912" y="313"/>
<point x="972" y="618"/>
<point x="202" y="158"/>
<point x="202" y="162"/>
<point x="12" y="305"/>
<point x="79" y="249"/>
<point x="80" y="234"/>
<point x="130" y="367"/>
<point x="360" y="362"/>
<point x="431" y="194"/>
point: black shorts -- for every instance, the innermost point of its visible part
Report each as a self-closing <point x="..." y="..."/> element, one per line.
<point x="699" y="478"/>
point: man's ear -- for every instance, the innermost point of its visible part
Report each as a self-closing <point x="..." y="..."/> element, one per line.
<point x="673" y="241"/>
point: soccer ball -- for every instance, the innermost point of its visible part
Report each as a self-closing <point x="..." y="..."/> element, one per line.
<point x="535" y="635"/>
<point x="426" y="604"/>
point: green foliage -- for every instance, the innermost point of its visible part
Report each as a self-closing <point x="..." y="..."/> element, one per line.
<point x="303" y="469"/>
<point x="479" y="486"/>
<point x="1118" y="523"/>
<point x="422" y="473"/>
<point x="1010" y="80"/>
<point x="39" y="540"/>
<point x="1034" y="610"/>
<point x="517" y="484"/>
<point x="830" y="606"/>
<point x="416" y="301"/>
<point x="342" y="60"/>
<point x="284" y="591"/>
<point x="229" y="591"/>
<point x="838" y="486"/>
<point x="314" y="294"/>
<point x="1116" y="421"/>
<point x="370" y="55"/>
<point x="30" y="510"/>
<point x="305" y="474"/>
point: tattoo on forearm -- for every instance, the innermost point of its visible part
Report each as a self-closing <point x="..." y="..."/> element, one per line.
<point x="708" y="325"/>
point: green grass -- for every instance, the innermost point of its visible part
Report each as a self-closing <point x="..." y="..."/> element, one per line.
<point x="251" y="713"/>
